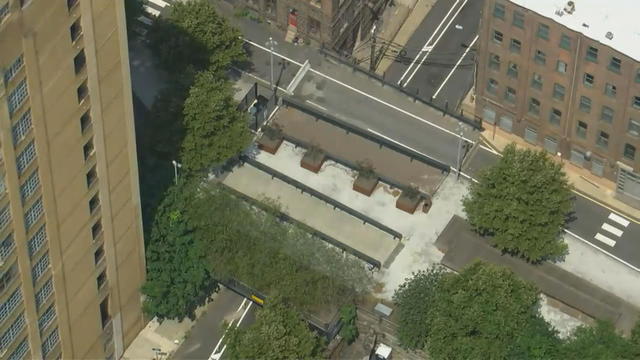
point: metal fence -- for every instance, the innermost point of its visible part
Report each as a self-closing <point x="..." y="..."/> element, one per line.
<point x="259" y="107"/>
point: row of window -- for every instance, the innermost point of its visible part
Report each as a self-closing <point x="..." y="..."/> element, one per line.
<point x="44" y="292"/>
<point x="7" y="277"/>
<point x="20" y="351"/>
<point x="40" y="267"/>
<point x="47" y="317"/>
<point x="6" y="246"/>
<point x="33" y="214"/>
<point x="543" y="32"/>
<point x="25" y="157"/>
<point x="50" y="342"/>
<point x="21" y="128"/>
<point x="37" y="240"/>
<point x="5" y="217"/>
<point x="12" y="332"/>
<point x="10" y="304"/>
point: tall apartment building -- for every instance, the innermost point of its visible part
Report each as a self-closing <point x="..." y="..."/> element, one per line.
<point x="339" y="24"/>
<point x="565" y="75"/>
<point x="71" y="246"/>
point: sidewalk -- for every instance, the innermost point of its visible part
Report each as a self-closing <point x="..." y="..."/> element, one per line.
<point x="597" y="189"/>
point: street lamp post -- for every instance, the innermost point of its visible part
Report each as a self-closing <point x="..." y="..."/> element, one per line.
<point x="271" y="44"/>
<point x="459" y="159"/>
<point x="176" y="165"/>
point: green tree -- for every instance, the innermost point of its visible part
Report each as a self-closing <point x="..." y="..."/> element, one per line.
<point x="177" y="270"/>
<point x="348" y="317"/>
<point x="599" y="342"/>
<point x="485" y="312"/>
<point x="194" y="34"/>
<point x="133" y="10"/>
<point x="522" y="202"/>
<point x="214" y="129"/>
<point x="278" y="333"/>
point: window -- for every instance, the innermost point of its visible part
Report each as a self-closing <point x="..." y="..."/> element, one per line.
<point x="603" y="140"/>
<point x="581" y="129"/>
<point x="638" y="76"/>
<point x="534" y="106"/>
<point x="40" y="267"/>
<point x="555" y="116"/>
<point x="14" y="68"/>
<point x="30" y="186"/>
<point x="512" y="70"/>
<point x="607" y="114"/>
<point x="636" y="102"/>
<point x="610" y="90"/>
<point x="6" y="246"/>
<point x="33" y="214"/>
<point x="518" y="19"/>
<point x="82" y="91"/>
<point x="12" y="332"/>
<point x="536" y="81"/>
<point x="50" y="342"/>
<point x="543" y="31"/>
<point x="92" y="177"/>
<point x="494" y="61"/>
<point x="20" y="351"/>
<point x="629" y="152"/>
<point x="24" y="3"/>
<point x="588" y="80"/>
<point x="45" y="291"/>
<point x="615" y="64"/>
<point x="585" y="104"/>
<point x="96" y="229"/>
<point x="25" y="157"/>
<point x="37" y="240"/>
<point x="8" y="276"/>
<point x="492" y="86"/>
<point x="75" y="30"/>
<point x="5" y="217"/>
<point x="498" y="11"/>
<point x="498" y="36"/>
<point x="634" y="127"/>
<point x="510" y="95"/>
<point x="47" y="317"/>
<point x="94" y="203"/>
<point x="565" y="42"/>
<point x="551" y="145"/>
<point x="88" y="149"/>
<point x="515" y="46"/>
<point x="17" y="96"/>
<point x="4" y="11"/>
<point x="558" y="92"/>
<point x="592" y="54"/>
<point x="10" y="304"/>
<point x="98" y="255"/>
<point x="105" y="316"/>
<point x="531" y="135"/>
<point x="71" y="4"/>
<point x="540" y="57"/>
<point x="85" y="121"/>
<point x="79" y="62"/>
<point x="101" y="280"/>
<point x="561" y="67"/>
<point x="21" y="128"/>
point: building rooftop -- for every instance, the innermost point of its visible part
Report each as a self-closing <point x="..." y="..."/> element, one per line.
<point x="613" y="23"/>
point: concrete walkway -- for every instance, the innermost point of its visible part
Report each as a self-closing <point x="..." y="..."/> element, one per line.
<point x="314" y="212"/>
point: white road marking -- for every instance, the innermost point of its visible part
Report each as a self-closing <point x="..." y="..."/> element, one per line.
<point x="455" y="67"/>
<point x="619" y="219"/>
<point x="425" y="46"/>
<point x="605" y="240"/>
<point x="490" y="150"/>
<point x="244" y="300"/>
<point x="615" y="231"/>
<point x="275" y="53"/>
<point x="434" y="44"/>
<point x="603" y="251"/>
<point x="316" y="105"/>
<point x="404" y="146"/>
<point x="217" y="355"/>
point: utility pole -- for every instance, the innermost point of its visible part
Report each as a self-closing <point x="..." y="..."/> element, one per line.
<point x="271" y="44"/>
<point x="372" y="58"/>
<point x="459" y="162"/>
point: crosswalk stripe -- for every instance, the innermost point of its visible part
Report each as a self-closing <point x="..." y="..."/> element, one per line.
<point x="151" y="10"/>
<point x="615" y="231"/>
<point x="619" y="219"/>
<point x="605" y="240"/>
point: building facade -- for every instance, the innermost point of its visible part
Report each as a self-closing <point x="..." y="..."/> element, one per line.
<point x="71" y="246"/>
<point x="560" y="89"/>
<point x="338" y="24"/>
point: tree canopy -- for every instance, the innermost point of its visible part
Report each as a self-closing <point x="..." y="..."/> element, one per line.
<point x="522" y="203"/>
<point x="214" y="129"/>
<point x="278" y="333"/>
<point x="193" y="34"/>
<point x="600" y="342"/>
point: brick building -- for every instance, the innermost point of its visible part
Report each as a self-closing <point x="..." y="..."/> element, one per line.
<point x="565" y="75"/>
<point x="336" y="23"/>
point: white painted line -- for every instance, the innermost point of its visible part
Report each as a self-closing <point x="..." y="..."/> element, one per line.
<point x="603" y="251"/>
<point x="424" y="47"/>
<point x="220" y="341"/>
<point x="455" y="67"/>
<point x="145" y="20"/>
<point x="619" y="219"/>
<point x="152" y="11"/>
<point x="434" y="44"/>
<point x="316" y="105"/>
<point x="160" y="3"/>
<point x="490" y="150"/>
<point x="615" y="231"/>
<point x="403" y="145"/>
<point x="244" y="300"/>
<point x="216" y="356"/>
<point x="605" y="240"/>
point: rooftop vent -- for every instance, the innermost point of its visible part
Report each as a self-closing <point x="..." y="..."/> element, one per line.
<point x="570" y="7"/>
<point x="609" y="35"/>
<point x="585" y="25"/>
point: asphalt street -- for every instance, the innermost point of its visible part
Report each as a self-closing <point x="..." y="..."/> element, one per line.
<point x="438" y="60"/>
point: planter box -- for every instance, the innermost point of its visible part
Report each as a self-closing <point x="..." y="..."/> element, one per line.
<point x="312" y="161"/>
<point x="408" y="204"/>
<point x="365" y="184"/>
<point x="269" y="144"/>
